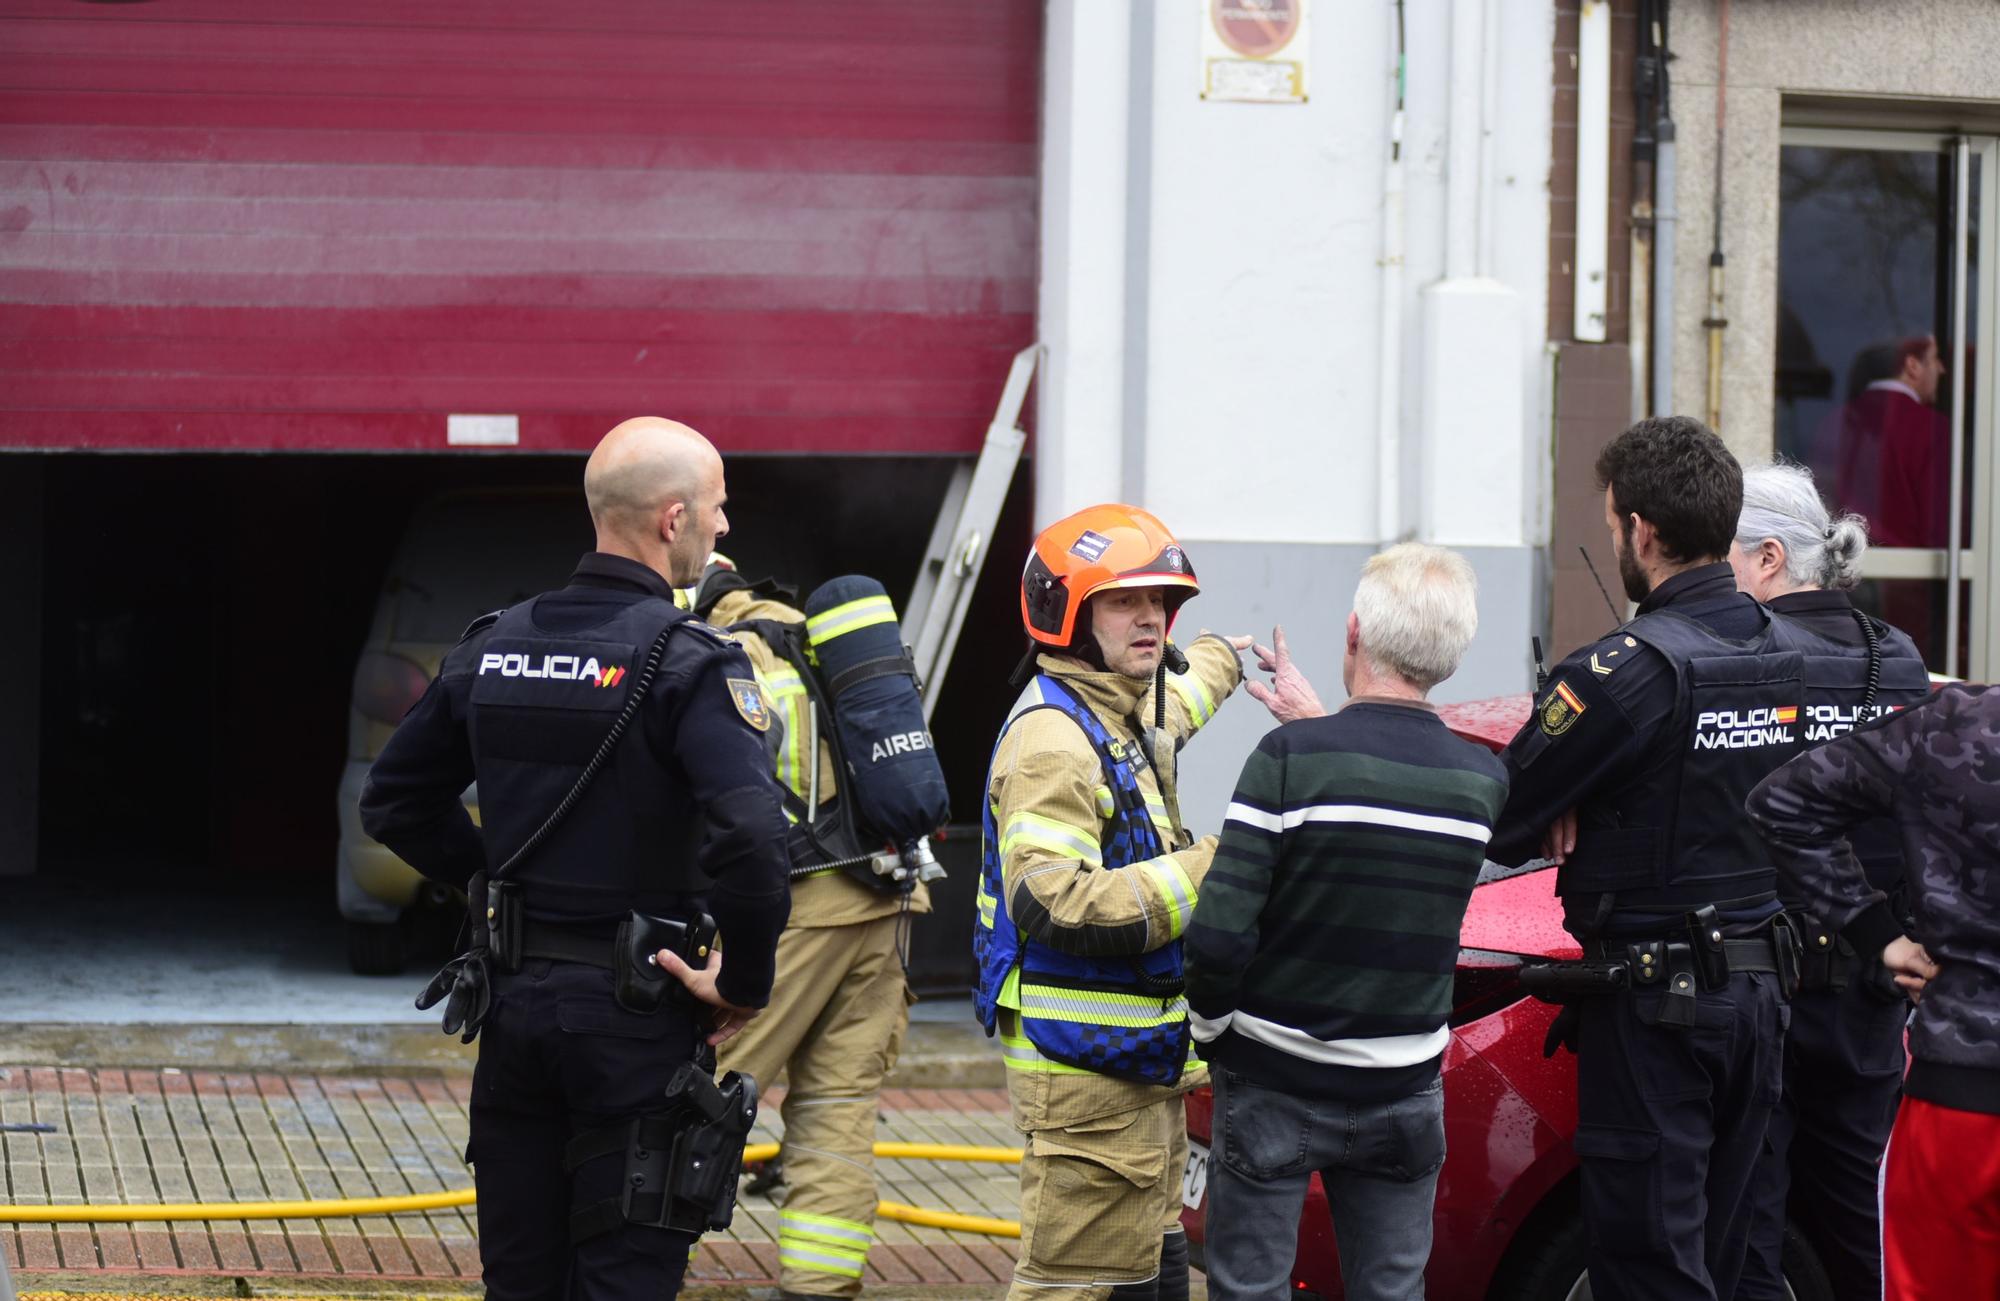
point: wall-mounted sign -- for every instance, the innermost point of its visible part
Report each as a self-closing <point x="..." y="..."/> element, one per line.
<point x="482" y="431"/>
<point x="1254" y="51"/>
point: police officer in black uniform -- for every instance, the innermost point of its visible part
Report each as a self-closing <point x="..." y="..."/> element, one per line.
<point x="594" y="912"/>
<point x="1632" y="774"/>
<point x="1844" y="1052"/>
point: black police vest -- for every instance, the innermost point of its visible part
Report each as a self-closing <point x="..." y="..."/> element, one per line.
<point x="541" y="706"/>
<point x="1837" y="699"/>
<point x="1679" y="836"/>
<point x="1836" y="676"/>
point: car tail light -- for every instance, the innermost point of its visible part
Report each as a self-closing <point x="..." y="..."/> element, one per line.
<point x="1484" y="983"/>
<point x="385" y="685"/>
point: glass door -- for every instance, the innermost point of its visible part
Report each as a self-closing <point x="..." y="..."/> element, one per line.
<point x="1886" y="260"/>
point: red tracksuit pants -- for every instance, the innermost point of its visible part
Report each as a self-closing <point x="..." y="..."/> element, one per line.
<point x="1941" y="1205"/>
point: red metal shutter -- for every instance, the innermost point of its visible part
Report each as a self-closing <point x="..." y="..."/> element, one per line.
<point x="328" y="224"/>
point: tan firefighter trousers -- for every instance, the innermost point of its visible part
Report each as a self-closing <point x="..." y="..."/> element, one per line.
<point x="839" y="1009"/>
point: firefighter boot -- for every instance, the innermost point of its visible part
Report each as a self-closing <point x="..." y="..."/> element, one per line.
<point x="1174" y="1266"/>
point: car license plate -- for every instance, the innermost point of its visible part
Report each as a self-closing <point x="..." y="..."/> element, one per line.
<point x="1194" y="1183"/>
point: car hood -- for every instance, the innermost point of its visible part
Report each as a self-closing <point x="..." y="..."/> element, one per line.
<point x="1517" y="912"/>
<point x="1513" y="910"/>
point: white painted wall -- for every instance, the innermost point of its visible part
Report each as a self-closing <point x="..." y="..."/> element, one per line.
<point x="1235" y="390"/>
<point x="1211" y="298"/>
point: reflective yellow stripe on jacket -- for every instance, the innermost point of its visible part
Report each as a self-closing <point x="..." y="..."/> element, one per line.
<point x="864" y="613"/>
<point x="1176" y="885"/>
<point x="1059" y="838"/>
<point x="1195" y="696"/>
<point x="1100" y="1007"/>
<point x="787" y="693"/>
<point x="823" y="1244"/>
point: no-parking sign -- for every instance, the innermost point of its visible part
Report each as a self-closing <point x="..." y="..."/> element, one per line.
<point x="1254" y="51"/>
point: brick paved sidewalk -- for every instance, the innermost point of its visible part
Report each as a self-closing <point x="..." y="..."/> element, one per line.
<point x="168" y="1136"/>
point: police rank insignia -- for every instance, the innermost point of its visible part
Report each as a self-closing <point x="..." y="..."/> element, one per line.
<point x="749" y="702"/>
<point x="1561" y="710"/>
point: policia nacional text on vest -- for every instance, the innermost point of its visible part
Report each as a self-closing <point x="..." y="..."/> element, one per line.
<point x="1678" y="843"/>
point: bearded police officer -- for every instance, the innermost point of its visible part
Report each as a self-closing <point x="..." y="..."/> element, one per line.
<point x="628" y="807"/>
<point x="1844" y="1053"/>
<point x="1631" y="775"/>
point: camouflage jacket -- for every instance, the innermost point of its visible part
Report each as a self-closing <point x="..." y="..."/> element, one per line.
<point x="1934" y="769"/>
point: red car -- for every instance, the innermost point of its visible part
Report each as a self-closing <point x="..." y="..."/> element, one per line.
<point x="1508" y="1224"/>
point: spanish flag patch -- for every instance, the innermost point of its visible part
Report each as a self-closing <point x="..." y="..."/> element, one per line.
<point x="1560" y="710"/>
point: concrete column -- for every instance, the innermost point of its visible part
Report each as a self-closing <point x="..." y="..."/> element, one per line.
<point x="1471" y="397"/>
<point x="1079" y="445"/>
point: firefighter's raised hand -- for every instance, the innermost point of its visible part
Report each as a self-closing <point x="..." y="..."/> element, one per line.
<point x="1289" y="696"/>
<point x="728" y="1020"/>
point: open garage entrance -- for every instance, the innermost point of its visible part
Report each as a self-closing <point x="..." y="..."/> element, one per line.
<point x="191" y="644"/>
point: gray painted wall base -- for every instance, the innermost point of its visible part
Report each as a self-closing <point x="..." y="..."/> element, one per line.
<point x="1246" y="587"/>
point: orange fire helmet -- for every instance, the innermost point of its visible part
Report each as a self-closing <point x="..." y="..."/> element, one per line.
<point x="1096" y="550"/>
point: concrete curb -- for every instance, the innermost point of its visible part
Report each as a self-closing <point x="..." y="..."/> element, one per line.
<point x="936" y="1055"/>
<point x="348" y="1288"/>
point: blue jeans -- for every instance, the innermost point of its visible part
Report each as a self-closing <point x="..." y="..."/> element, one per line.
<point x="1378" y="1161"/>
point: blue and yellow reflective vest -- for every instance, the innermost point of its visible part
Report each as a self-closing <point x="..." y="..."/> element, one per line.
<point x="1124" y="1016"/>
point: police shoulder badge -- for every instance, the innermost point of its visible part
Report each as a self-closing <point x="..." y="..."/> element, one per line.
<point x="1560" y="710"/>
<point x="749" y="701"/>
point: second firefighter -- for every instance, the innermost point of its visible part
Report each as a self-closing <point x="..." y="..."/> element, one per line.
<point x="837" y="1026"/>
<point x="1087" y="884"/>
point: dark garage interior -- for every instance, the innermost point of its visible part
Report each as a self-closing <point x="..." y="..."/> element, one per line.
<point x="191" y="652"/>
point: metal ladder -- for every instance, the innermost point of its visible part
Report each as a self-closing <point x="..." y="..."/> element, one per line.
<point x="964" y="533"/>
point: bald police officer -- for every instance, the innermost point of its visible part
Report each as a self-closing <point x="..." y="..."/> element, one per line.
<point x="678" y="818"/>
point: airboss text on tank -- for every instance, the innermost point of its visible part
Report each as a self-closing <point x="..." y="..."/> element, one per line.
<point x="899" y="743"/>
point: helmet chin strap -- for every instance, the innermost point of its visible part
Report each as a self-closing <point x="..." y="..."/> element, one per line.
<point x="1160" y="749"/>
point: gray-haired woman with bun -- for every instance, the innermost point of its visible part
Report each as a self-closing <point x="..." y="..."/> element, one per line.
<point x="1844" y="1051"/>
<point x="1795" y="557"/>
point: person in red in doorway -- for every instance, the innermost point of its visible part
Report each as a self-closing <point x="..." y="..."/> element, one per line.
<point x="1895" y="451"/>
<point x="1931" y="769"/>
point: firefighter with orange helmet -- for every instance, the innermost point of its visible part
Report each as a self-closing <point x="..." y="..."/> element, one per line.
<point x="1087" y="884"/>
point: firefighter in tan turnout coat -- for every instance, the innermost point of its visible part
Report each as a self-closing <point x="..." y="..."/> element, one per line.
<point x="841" y="1006"/>
<point x="1089" y="880"/>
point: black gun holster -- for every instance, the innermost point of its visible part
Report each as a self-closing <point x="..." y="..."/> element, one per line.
<point x="1563" y="983"/>
<point x="1567" y="985"/>
<point x="680" y="1164"/>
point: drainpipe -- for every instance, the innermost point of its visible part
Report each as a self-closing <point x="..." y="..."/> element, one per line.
<point x="1715" y="322"/>
<point x="1655" y="63"/>
<point x="1389" y="383"/>
<point x="1645" y="84"/>
<point x="1593" y="172"/>
<point x="1463" y="148"/>
<point x="1666" y="223"/>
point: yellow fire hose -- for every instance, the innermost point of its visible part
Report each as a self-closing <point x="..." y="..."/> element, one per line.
<point x="130" y="1213"/>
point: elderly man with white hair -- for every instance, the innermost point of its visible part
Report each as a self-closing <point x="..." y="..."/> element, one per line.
<point x="1844" y="1051"/>
<point x="1321" y="953"/>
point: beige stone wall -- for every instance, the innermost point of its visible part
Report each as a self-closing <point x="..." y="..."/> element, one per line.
<point x="1905" y="52"/>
